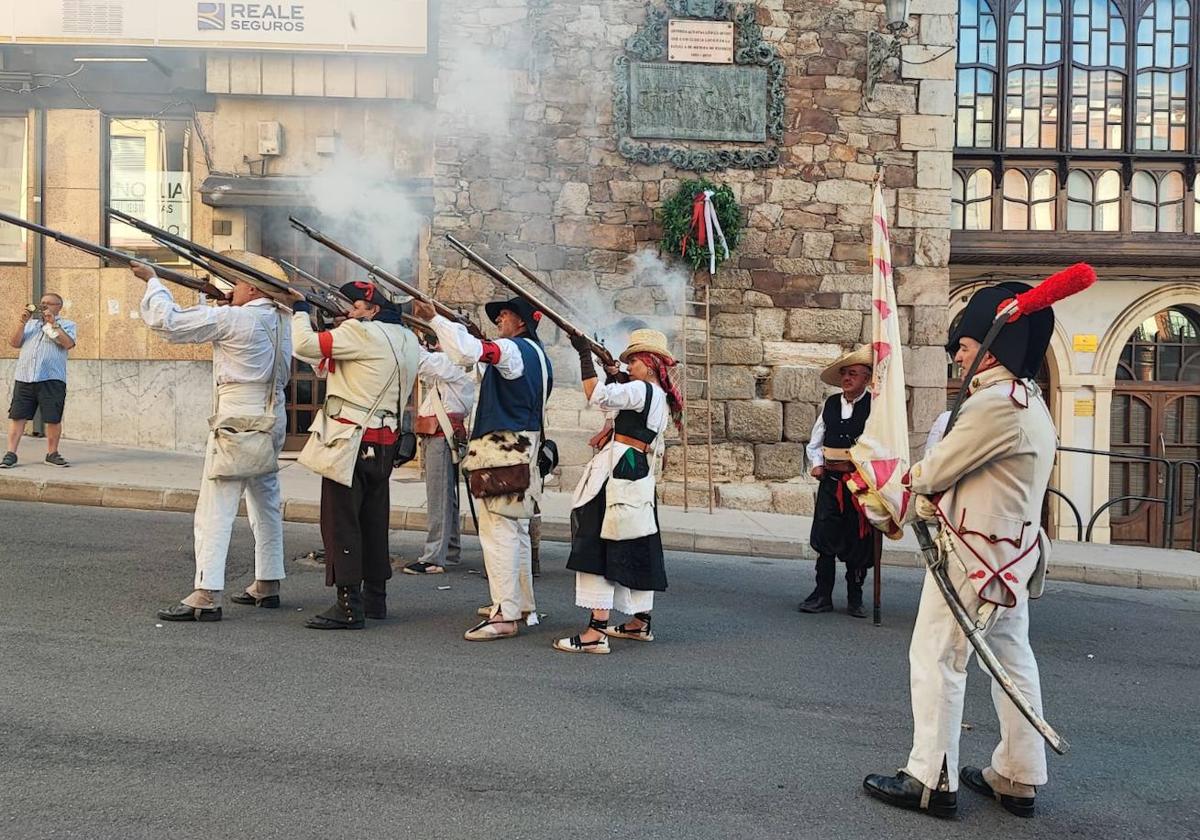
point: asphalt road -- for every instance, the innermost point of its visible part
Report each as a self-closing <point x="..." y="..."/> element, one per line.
<point x="745" y="719"/>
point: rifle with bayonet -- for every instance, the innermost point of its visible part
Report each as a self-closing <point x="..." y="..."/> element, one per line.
<point x="599" y="350"/>
<point x="381" y="274"/>
<point x="276" y="289"/>
<point x="198" y="284"/>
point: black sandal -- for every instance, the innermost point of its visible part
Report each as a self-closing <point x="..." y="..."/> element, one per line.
<point x="576" y="644"/>
<point x="623" y="631"/>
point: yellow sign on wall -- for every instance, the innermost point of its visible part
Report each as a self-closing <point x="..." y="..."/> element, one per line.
<point x="1085" y="408"/>
<point x="1084" y="343"/>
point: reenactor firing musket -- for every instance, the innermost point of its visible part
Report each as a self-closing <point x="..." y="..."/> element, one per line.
<point x="231" y="269"/>
<point x="380" y="274"/>
<point x="336" y="298"/>
<point x="198" y="284"/>
<point x="600" y="351"/>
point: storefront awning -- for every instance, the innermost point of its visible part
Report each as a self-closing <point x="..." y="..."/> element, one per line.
<point x="282" y="191"/>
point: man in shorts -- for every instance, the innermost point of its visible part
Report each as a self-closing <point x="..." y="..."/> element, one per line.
<point x="40" y="376"/>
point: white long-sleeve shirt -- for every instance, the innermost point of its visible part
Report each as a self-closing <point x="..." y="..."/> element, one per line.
<point x="465" y="349"/>
<point x="816" y="441"/>
<point x="243" y="337"/>
<point x="614" y="397"/>
<point x="455" y="385"/>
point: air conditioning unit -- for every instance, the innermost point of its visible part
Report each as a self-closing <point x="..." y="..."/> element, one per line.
<point x="270" y="139"/>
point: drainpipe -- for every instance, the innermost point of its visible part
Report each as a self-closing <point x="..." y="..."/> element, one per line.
<point x="38" y="255"/>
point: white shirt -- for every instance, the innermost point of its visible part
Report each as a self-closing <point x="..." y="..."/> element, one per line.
<point x="243" y="337"/>
<point x="936" y="432"/>
<point x="816" y="440"/>
<point x="619" y="396"/>
<point x="455" y="386"/>
<point x="465" y="349"/>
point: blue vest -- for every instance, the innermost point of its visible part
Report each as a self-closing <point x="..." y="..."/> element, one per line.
<point x="512" y="405"/>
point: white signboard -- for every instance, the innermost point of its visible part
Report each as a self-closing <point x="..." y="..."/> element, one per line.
<point x="164" y="199"/>
<point x="396" y="26"/>
<point x="706" y="41"/>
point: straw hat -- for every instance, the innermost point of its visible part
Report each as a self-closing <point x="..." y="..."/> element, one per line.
<point x="647" y="341"/>
<point x="832" y="375"/>
<point x="258" y="262"/>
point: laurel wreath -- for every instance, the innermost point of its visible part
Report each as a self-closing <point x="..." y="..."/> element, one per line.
<point x="676" y="217"/>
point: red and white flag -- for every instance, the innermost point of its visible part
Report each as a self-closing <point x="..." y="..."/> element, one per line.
<point x="881" y="453"/>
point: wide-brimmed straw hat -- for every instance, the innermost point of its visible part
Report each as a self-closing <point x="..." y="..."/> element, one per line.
<point x="258" y="262"/>
<point x="647" y="341"/>
<point x="832" y="375"/>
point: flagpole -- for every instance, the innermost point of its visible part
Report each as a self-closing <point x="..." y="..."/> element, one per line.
<point x="877" y="543"/>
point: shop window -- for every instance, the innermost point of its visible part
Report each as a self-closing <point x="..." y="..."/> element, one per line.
<point x="977" y="45"/>
<point x="1029" y="200"/>
<point x="13" y="186"/>
<point x="1094" y="200"/>
<point x="1097" y="74"/>
<point x="1157" y="201"/>
<point x="1164" y="348"/>
<point x="1034" y="56"/>
<point x="971" y="200"/>
<point x="1163" y="56"/>
<point x="149" y="177"/>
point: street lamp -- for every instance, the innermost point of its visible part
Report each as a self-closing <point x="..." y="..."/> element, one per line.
<point x="880" y="47"/>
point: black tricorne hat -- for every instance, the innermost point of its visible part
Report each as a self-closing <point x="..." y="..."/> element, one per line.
<point x="1021" y="345"/>
<point x="521" y="308"/>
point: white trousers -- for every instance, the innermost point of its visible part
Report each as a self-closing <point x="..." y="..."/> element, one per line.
<point x="595" y="592"/>
<point x="938" y="658"/>
<point x="508" y="558"/>
<point x="217" y="507"/>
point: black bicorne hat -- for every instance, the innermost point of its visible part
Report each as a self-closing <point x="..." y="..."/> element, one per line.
<point x="521" y="308"/>
<point x="1021" y="345"/>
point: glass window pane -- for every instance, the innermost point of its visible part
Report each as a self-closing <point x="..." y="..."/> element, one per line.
<point x="13" y="186"/>
<point x="1079" y="186"/>
<point x="149" y="178"/>
<point x="1042" y="216"/>
<point x="1108" y="186"/>
<point x="1108" y="216"/>
<point x="1170" y="188"/>
<point x="1015" y="185"/>
<point x="1170" y="218"/>
<point x="1079" y="216"/>
<point x="1143" y="217"/>
<point x="1043" y="185"/>
<point x="1016" y="216"/>
<point x="1144" y="188"/>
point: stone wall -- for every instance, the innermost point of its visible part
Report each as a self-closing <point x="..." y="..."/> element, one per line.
<point x="546" y="182"/>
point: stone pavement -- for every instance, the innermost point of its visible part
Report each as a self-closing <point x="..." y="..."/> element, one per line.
<point x="147" y="479"/>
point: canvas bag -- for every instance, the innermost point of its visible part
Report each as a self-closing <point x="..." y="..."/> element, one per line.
<point x="332" y="448"/>
<point x="629" y="505"/>
<point x="242" y="446"/>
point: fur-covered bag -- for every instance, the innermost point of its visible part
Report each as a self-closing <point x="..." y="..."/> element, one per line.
<point x="497" y="464"/>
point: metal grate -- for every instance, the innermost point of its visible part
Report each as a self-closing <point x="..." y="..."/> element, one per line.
<point x="92" y="17"/>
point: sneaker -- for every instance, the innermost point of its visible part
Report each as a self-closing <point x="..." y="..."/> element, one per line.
<point x="9" y="460"/>
<point x="54" y="460"/>
<point x="419" y="568"/>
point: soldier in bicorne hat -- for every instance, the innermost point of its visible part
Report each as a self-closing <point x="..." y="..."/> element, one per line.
<point x="983" y="484"/>
<point x="840" y="529"/>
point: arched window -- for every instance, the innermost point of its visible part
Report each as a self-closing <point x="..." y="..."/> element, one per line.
<point x="1157" y="201"/>
<point x="1034" y="57"/>
<point x="1163" y="59"/>
<point x="1164" y="348"/>
<point x="1094" y="200"/>
<point x="977" y="39"/>
<point x="971" y="200"/>
<point x="1029" y="200"/>
<point x="1097" y="74"/>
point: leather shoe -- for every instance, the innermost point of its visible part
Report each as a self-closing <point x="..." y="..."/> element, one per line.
<point x="856" y="609"/>
<point x="817" y="603"/>
<point x="270" y="602"/>
<point x="182" y="612"/>
<point x="903" y="791"/>
<point x="972" y="777"/>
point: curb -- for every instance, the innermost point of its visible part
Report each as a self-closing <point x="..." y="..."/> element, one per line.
<point x="131" y="497"/>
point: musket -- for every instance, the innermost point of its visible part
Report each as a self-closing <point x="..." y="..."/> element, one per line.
<point x="335" y="296"/>
<point x="380" y="273"/>
<point x="1054" y="288"/>
<point x="198" y="284"/>
<point x="600" y="351"/>
<point x="545" y="287"/>
<point x="263" y="282"/>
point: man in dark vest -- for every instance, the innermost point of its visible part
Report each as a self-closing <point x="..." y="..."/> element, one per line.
<point x="505" y="433"/>
<point x="840" y="529"/>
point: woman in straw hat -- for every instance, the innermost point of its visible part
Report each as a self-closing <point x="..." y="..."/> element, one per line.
<point x="616" y="550"/>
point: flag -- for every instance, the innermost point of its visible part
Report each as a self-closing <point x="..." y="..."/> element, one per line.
<point x="881" y="454"/>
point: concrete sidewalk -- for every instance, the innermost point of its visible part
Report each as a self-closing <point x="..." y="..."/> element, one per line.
<point x="122" y="477"/>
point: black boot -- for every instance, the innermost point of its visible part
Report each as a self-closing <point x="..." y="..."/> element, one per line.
<point x="821" y="599"/>
<point x="903" y="791"/>
<point x="972" y="777"/>
<point x="375" y="598"/>
<point x="855" y="578"/>
<point x="346" y="614"/>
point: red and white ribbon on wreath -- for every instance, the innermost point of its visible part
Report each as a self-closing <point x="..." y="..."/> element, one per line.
<point x="706" y="228"/>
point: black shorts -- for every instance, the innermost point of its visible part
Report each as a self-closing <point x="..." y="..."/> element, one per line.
<point x="50" y="396"/>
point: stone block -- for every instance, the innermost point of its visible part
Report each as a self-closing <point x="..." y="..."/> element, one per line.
<point x="744" y="497"/>
<point x="216" y="73"/>
<point x="937" y="97"/>
<point x="921" y="131"/>
<point x="930" y="325"/>
<point x="245" y="74"/>
<point x="791" y="191"/>
<point x="798" y="383"/>
<point x="592" y="235"/>
<point x="917" y="286"/>
<point x="933" y="7"/>
<point x="672" y="493"/>
<point x="737" y="351"/>
<point x="731" y="382"/>
<point x="20" y="489"/>
<point x="779" y="460"/>
<point x="933" y="171"/>
<point x="799" y="353"/>
<point x="71" y="493"/>
<point x="733" y="324"/>
<point x="931" y="246"/>
<point x="770" y="323"/>
<point x="727" y="544"/>
<point x="135" y="498"/>
<point x="276" y="74"/>
<point x="183" y="500"/>
<point x="925" y="61"/>
<point x="759" y="421"/>
<point x="817" y="245"/>
<point x="840" y="325"/>
<point x="925" y="367"/>
<point x="893" y="99"/>
<point x="793" y="498"/>
<point x="732" y="461"/>
<point x="798" y="419"/>
<point x="938" y="30"/>
<point x="72" y="154"/>
<point x="843" y="191"/>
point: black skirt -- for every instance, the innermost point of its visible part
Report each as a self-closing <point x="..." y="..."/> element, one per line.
<point x="636" y="564"/>
<point x="838" y="527"/>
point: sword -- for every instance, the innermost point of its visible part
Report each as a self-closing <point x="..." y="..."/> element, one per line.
<point x="1063" y="284"/>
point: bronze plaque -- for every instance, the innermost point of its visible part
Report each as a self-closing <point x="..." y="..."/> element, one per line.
<point x="698" y="102"/>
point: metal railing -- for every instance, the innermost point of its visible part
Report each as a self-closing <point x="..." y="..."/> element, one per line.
<point x="1172" y="474"/>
